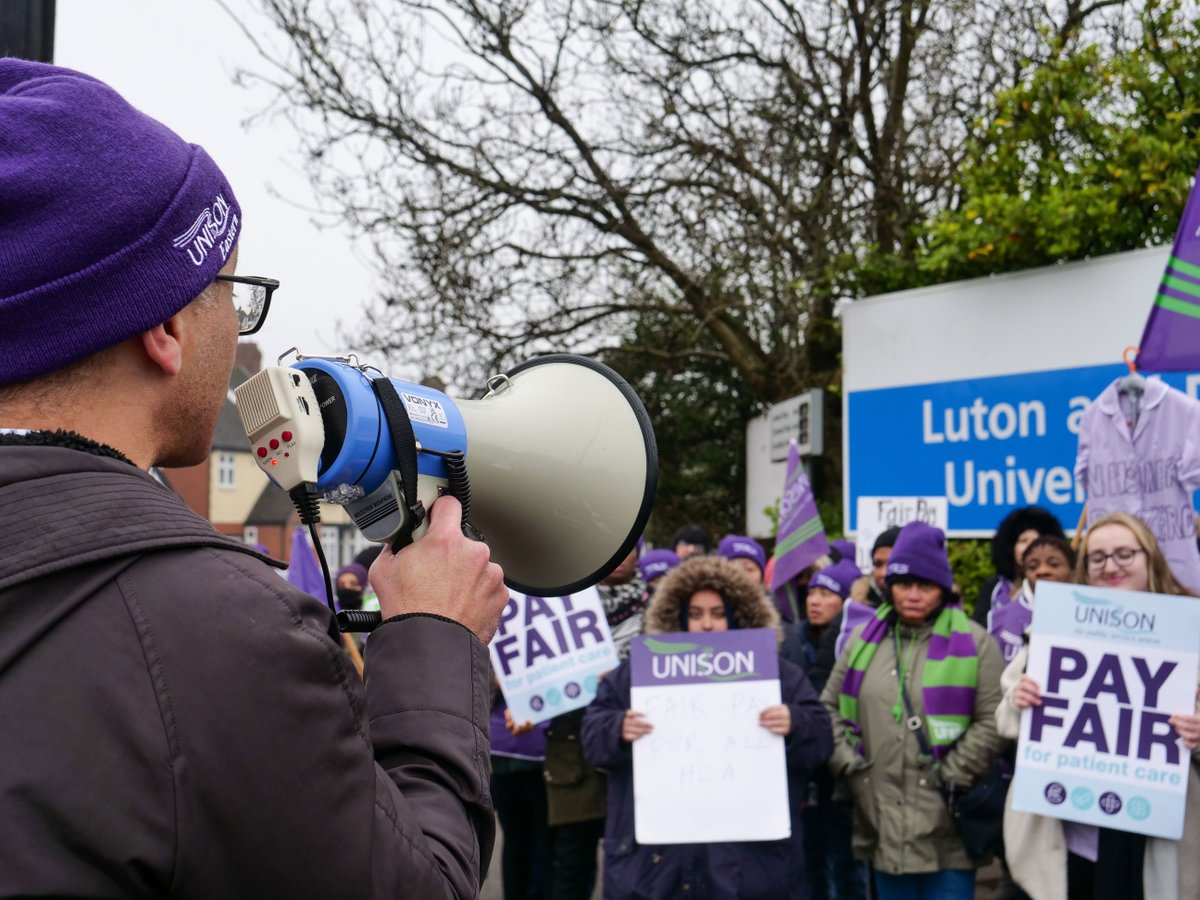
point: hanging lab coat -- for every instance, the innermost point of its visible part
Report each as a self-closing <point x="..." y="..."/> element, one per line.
<point x="1150" y="473"/>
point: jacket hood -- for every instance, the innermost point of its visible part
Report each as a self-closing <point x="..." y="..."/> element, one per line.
<point x="861" y="590"/>
<point x="751" y="606"/>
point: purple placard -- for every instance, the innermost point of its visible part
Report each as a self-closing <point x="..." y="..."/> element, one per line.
<point x="709" y="657"/>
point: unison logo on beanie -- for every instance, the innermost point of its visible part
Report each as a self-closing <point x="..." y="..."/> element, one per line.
<point x="209" y="228"/>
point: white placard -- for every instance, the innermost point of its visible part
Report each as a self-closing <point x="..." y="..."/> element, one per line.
<point x="709" y="772"/>
<point x="1113" y="666"/>
<point x="877" y="514"/>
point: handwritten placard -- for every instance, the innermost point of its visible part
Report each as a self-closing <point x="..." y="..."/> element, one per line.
<point x="708" y="772"/>
<point x="877" y="514"/>
<point x="1113" y="667"/>
<point x="549" y="653"/>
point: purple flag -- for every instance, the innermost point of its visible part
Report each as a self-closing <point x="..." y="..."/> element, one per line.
<point x="304" y="572"/>
<point x="1171" y="341"/>
<point x="801" y="537"/>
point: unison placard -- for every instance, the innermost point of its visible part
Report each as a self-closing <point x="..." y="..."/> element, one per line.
<point x="1113" y="667"/>
<point x="708" y="772"/>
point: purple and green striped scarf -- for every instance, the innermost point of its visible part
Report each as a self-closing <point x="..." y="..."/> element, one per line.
<point x="947" y="683"/>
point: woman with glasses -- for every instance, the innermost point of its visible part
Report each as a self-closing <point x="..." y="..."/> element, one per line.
<point x="1051" y="858"/>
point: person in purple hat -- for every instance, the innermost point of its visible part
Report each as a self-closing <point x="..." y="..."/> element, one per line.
<point x="350" y="581"/>
<point x="920" y="660"/>
<point x="177" y="720"/>
<point x="746" y="552"/>
<point x="654" y="564"/>
<point x="843" y="548"/>
<point x="829" y="863"/>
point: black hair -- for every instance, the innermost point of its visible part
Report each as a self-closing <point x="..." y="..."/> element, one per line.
<point x="1062" y="545"/>
<point x="1012" y="527"/>
<point x="886" y="539"/>
<point x="692" y="533"/>
<point x="730" y="618"/>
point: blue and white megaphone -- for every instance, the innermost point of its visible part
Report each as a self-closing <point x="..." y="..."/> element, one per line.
<point x="557" y="459"/>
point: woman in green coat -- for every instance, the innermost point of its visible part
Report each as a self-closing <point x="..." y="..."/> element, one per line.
<point x="920" y="644"/>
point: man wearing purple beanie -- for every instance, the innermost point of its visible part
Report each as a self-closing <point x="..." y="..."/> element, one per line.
<point x="176" y="720"/>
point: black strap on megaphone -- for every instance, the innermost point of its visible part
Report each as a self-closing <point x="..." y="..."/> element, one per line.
<point x="404" y="441"/>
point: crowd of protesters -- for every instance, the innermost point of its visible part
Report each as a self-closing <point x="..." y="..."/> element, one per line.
<point x="881" y="649"/>
<point x="180" y="722"/>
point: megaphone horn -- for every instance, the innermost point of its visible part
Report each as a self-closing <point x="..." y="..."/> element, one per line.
<point x="563" y="468"/>
<point x="559" y="454"/>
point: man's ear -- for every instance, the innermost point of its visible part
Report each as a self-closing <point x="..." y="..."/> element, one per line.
<point x="163" y="345"/>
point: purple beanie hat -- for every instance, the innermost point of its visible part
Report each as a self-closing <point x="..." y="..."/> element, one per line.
<point x="920" y="552"/>
<point x="836" y="578"/>
<point x="110" y="224"/>
<point x="739" y="546"/>
<point x="353" y="569"/>
<point x="845" y="549"/>
<point x="656" y="563"/>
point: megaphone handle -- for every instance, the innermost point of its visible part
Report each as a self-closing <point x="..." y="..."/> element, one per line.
<point x="404" y="443"/>
<point x="358" y="620"/>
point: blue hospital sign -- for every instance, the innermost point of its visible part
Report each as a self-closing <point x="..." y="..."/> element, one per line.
<point x="988" y="445"/>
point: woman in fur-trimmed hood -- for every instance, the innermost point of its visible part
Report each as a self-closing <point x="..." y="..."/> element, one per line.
<point x="744" y="600"/>
<point x="704" y="594"/>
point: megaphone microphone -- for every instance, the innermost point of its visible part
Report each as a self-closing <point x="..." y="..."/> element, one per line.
<point x="555" y="465"/>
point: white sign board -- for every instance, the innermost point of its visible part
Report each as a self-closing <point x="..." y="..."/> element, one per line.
<point x="877" y="514"/>
<point x="708" y="772"/>
<point x="1113" y="667"/>
<point x="799" y="419"/>
<point x="549" y="653"/>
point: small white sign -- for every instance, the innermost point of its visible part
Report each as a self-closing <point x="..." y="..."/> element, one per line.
<point x="798" y="418"/>
<point x="877" y="514"/>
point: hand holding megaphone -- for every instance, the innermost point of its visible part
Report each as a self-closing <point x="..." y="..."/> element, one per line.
<point x="442" y="574"/>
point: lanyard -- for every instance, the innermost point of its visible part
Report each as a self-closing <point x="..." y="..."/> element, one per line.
<point x="902" y="669"/>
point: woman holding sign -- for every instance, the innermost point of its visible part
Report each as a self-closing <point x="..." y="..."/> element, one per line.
<point x="913" y="698"/>
<point x="705" y="594"/>
<point x="1052" y="859"/>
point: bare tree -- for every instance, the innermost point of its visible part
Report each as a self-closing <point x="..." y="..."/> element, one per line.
<point x="686" y="185"/>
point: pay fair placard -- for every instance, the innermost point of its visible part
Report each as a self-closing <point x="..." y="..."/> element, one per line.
<point x="1113" y="667"/>
<point x="549" y="653"/>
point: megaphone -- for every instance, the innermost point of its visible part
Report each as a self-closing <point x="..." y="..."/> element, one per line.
<point x="557" y="458"/>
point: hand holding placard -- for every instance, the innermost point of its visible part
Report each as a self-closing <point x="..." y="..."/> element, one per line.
<point x="634" y="726"/>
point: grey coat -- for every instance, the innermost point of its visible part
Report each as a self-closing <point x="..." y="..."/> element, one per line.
<point x="178" y="720"/>
<point x="900" y="821"/>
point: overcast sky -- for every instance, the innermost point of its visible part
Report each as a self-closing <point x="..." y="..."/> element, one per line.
<point x="175" y="61"/>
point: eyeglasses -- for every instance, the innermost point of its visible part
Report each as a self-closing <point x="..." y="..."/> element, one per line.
<point x="1122" y="556"/>
<point x="251" y="300"/>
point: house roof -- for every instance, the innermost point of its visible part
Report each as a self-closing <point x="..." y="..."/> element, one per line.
<point x="273" y="507"/>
